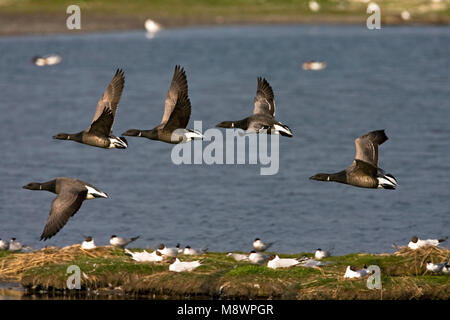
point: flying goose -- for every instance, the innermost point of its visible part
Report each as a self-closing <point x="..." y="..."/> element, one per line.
<point x="71" y="194"/>
<point x="99" y="132"/>
<point x="177" y="111"/>
<point x="263" y="117"/>
<point x="120" y="242"/>
<point x="364" y="171"/>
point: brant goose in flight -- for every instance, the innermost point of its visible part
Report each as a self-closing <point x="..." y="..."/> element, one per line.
<point x="71" y="194"/>
<point x="417" y="243"/>
<point x="99" y="132"/>
<point x="263" y="118"/>
<point x="120" y="242"/>
<point x="88" y="243"/>
<point x="260" y="246"/>
<point x="364" y="171"/>
<point x="177" y="111"/>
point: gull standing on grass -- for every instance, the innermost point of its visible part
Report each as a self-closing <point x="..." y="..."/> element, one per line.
<point x="257" y="257"/>
<point x="15" y="245"/>
<point x="120" y="242"/>
<point x="416" y="243"/>
<point x="260" y="246"/>
<point x="179" y="266"/>
<point x="88" y="243"/>
<point x="320" y="254"/>
<point x="275" y="262"/>
<point x="4" y="245"/>
<point x="353" y="272"/>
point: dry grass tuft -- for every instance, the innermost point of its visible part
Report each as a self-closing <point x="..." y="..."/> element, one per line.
<point x="15" y="265"/>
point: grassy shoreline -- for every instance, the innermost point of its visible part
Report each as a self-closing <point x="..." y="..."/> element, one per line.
<point x="110" y="271"/>
<point x="49" y="16"/>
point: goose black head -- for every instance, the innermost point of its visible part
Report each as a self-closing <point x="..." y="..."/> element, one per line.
<point x="225" y="124"/>
<point x="62" y="136"/>
<point x="132" y="133"/>
<point x="33" y="186"/>
<point x="320" y="177"/>
<point x="88" y="239"/>
<point x="113" y="236"/>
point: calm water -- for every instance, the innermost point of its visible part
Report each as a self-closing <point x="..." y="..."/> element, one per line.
<point x="396" y="78"/>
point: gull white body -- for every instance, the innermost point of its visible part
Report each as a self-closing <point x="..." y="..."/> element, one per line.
<point x="349" y="273"/>
<point x="238" y="256"/>
<point x="4" y="245"/>
<point x="169" y="252"/>
<point x="257" y="258"/>
<point x="435" y="267"/>
<point x="179" y="266"/>
<point x="314" y="65"/>
<point x="88" y="245"/>
<point x="193" y="252"/>
<point x="15" y="245"/>
<point x="260" y="246"/>
<point x="151" y="26"/>
<point x="311" y="263"/>
<point x="144" y="256"/>
<point x="276" y="263"/>
<point x="320" y="254"/>
<point x="120" y="242"/>
<point x="423" y="243"/>
<point x="446" y="268"/>
<point x="47" y="60"/>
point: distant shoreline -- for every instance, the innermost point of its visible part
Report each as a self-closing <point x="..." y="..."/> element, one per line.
<point x="17" y="24"/>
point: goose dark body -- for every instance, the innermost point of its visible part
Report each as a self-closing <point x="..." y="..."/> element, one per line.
<point x="263" y="118"/>
<point x="71" y="194"/>
<point x="99" y="134"/>
<point x="177" y="111"/>
<point x="364" y="171"/>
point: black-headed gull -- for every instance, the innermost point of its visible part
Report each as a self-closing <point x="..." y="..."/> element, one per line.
<point x="15" y="245"/>
<point x="168" y="252"/>
<point x="417" y="243"/>
<point x="260" y="246"/>
<point x="320" y="254"/>
<point x="88" y="243"/>
<point x="257" y="257"/>
<point x="238" y="256"/>
<point x="276" y="262"/>
<point x="144" y="256"/>
<point x="193" y="252"/>
<point x="353" y="272"/>
<point x="120" y="242"/>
